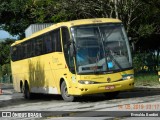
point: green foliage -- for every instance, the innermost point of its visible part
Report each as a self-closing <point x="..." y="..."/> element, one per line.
<point x="146" y="79"/>
<point x="0" y="71"/>
<point x="145" y="62"/>
<point x="136" y="15"/>
<point x="5" y="51"/>
<point x="6" y="69"/>
<point x="140" y="17"/>
<point x="145" y="30"/>
<point x="138" y="61"/>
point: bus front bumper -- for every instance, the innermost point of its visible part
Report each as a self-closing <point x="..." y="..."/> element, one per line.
<point x="84" y="89"/>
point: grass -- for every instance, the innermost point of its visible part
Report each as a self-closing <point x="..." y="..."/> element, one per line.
<point x="147" y="79"/>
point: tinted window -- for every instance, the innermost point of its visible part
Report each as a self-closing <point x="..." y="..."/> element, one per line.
<point x="46" y="43"/>
<point x="48" y="46"/>
<point x="66" y="47"/>
<point x="56" y="40"/>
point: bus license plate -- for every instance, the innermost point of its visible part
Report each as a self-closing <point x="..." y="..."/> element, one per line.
<point x="110" y="87"/>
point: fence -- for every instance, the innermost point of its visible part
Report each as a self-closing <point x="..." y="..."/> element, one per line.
<point x="6" y="79"/>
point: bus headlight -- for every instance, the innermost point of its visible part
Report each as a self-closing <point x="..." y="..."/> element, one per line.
<point x="86" y="82"/>
<point x="127" y="77"/>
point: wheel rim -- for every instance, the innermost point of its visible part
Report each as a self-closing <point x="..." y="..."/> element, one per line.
<point x="66" y="92"/>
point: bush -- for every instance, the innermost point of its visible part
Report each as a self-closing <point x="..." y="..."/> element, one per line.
<point x="138" y="61"/>
<point x="146" y="79"/>
<point x="145" y="62"/>
<point x="6" y="69"/>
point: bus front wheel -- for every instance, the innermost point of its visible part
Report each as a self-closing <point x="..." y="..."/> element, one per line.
<point x="64" y="93"/>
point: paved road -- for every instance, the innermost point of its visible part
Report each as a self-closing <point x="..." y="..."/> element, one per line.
<point x="141" y="99"/>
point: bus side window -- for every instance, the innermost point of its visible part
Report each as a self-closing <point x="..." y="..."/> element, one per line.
<point x="56" y="40"/>
<point x="66" y="48"/>
<point x="19" y="52"/>
<point x="14" y="53"/>
<point x="32" y="48"/>
<point x="48" y="47"/>
<point x="65" y="38"/>
<point x="39" y="46"/>
<point x="23" y="50"/>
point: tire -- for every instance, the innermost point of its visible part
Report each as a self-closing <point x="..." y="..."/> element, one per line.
<point x="27" y="94"/>
<point x="22" y="88"/>
<point x="64" y="93"/>
<point x="111" y="95"/>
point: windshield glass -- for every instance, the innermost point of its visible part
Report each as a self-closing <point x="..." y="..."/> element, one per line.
<point x="101" y="48"/>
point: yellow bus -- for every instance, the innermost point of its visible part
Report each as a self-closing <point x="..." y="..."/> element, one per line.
<point x="74" y="58"/>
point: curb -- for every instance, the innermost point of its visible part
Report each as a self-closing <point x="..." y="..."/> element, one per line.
<point x="145" y="88"/>
<point x="6" y="86"/>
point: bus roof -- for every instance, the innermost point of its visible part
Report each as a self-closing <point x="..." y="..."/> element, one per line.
<point x="70" y="24"/>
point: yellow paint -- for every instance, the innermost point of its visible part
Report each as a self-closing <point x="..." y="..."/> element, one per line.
<point x="47" y="70"/>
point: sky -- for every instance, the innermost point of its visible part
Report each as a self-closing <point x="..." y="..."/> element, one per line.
<point x="5" y="34"/>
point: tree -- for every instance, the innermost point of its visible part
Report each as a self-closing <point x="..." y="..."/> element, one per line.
<point x="5" y="57"/>
<point x="5" y="51"/>
<point x="140" y="17"/>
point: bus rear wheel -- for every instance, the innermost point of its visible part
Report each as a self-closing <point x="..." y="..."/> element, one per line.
<point x="64" y="93"/>
<point x="27" y="94"/>
<point x="111" y="95"/>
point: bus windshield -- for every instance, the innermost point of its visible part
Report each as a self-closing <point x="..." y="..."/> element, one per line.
<point x="101" y="48"/>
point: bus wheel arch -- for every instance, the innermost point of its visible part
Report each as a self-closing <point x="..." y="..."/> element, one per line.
<point x="64" y="92"/>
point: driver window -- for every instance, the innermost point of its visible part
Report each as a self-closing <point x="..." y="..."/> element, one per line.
<point x="66" y="48"/>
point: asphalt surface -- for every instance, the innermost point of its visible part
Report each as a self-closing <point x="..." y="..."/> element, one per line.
<point x="11" y="100"/>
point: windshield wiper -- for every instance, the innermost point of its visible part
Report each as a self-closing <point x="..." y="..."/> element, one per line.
<point x="115" y="61"/>
<point x="110" y="55"/>
<point x="97" y="60"/>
